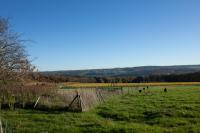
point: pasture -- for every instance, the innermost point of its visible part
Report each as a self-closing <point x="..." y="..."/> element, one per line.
<point x="151" y="111"/>
<point x="105" y="85"/>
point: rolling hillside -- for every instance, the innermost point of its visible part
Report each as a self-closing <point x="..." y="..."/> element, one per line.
<point x="130" y="71"/>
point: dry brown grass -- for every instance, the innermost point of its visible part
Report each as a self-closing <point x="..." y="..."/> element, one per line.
<point x="93" y="85"/>
<point x="16" y="95"/>
<point x="49" y="97"/>
<point x="88" y="97"/>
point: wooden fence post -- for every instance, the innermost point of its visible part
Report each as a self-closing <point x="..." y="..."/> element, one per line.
<point x="101" y="96"/>
<point x="80" y="103"/>
<point x="73" y="101"/>
<point x="1" y="127"/>
<point x="36" y="102"/>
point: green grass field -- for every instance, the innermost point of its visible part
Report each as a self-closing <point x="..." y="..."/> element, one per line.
<point x="152" y="111"/>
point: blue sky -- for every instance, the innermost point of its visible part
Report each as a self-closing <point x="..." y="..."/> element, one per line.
<point x="88" y="34"/>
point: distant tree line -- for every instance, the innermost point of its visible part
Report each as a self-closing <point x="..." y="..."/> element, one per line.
<point x="191" y="77"/>
<point x="61" y="78"/>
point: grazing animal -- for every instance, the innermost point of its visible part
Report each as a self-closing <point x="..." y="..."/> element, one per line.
<point x="147" y="87"/>
<point x="144" y="89"/>
<point x="140" y="91"/>
<point x="165" y="90"/>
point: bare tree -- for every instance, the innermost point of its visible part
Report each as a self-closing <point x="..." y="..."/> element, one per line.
<point x="14" y="64"/>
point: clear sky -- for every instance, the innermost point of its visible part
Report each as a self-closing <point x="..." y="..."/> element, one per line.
<point x="88" y="34"/>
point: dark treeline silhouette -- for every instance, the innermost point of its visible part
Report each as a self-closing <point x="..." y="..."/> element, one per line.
<point x="60" y="78"/>
<point x="191" y="77"/>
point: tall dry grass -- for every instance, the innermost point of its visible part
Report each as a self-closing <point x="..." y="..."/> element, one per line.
<point x="50" y="97"/>
<point x="23" y="96"/>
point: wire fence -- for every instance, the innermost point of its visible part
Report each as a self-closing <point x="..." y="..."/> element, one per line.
<point x="76" y="100"/>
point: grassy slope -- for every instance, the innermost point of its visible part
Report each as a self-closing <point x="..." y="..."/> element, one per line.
<point x="153" y="111"/>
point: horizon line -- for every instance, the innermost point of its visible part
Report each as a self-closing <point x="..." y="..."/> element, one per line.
<point x="120" y="67"/>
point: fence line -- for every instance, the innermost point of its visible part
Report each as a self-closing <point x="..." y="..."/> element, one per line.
<point x="71" y="99"/>
<point x="87" y="98"/>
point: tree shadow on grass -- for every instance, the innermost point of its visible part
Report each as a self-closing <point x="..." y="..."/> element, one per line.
<point x="149" y="115"/>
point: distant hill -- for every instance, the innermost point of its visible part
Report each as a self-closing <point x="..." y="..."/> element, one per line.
<point x="130" y="71"/>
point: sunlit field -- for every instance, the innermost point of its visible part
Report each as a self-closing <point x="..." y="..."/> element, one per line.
<point x="90" y="85"/>
<point x="151" y="111"/>
<point x="99" y="66"/>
